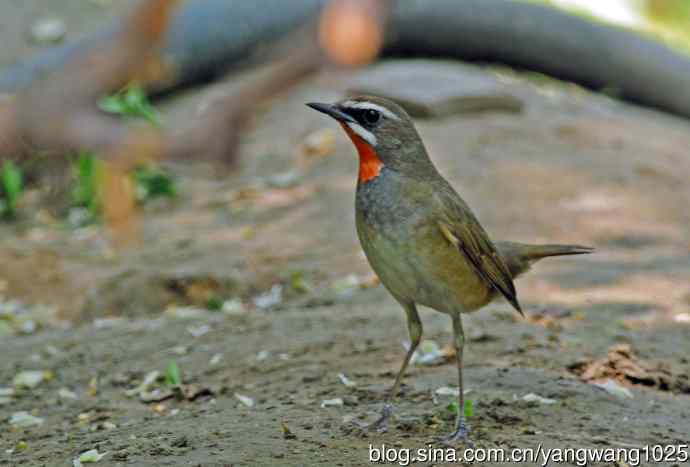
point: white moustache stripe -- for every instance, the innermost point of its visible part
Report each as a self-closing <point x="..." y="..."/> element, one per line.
<point x="366" y="135"/>
<point x="368" y="105"/>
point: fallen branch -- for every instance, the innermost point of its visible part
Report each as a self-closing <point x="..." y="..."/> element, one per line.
<point x="58" y="115"/>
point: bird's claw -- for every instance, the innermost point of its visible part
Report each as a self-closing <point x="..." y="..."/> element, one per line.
<point x="460" y="434"/>
<point x="379" y="425"/>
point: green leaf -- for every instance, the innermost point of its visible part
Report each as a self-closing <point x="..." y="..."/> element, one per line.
<point x="215" y="303"/>
<point x="112" y="105"/>
<point x="12" y="182"/>
<point x="134" y="96"/>
<point x="299" y="283"/>
<point x="469" y="408"/>
<point x="153" y="182"/>
<point x="172" y="374"/>
<point x="131" y="102"/>
<point x="86" y="193"/>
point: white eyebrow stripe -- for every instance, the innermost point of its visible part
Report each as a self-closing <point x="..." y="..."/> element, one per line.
<point x="369" y="105"/>
<point x="366" y="135"/>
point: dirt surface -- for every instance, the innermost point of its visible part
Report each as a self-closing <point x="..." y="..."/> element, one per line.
<point x="573" y="167"/>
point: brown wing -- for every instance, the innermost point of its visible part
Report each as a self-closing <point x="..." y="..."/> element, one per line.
<point x="468" y="236"/>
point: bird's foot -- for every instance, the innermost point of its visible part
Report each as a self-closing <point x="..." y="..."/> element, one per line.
<point x="380" y="424"/>
<point x="460" y="434"/>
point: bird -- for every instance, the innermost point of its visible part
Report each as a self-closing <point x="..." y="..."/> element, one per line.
<point x="421" y="239"/>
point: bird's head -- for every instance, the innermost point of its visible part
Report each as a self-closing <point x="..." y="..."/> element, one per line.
<point x="382" y="132"/>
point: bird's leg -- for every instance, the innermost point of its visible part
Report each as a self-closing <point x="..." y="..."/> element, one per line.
<point x="461" y="429"/>
<point x="414" y="327"/>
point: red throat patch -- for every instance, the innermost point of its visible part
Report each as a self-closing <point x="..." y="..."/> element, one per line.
<point x="370" y="164"/>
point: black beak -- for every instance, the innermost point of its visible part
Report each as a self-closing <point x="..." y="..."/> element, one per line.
<point x="332" y="111"/>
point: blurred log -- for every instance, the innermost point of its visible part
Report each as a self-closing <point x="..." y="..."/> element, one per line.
<point x="208" y="36"/>
<point x="534" y="37"/>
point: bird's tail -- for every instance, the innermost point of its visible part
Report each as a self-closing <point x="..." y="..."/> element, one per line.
<point x="537" y="252"/>
<point x="519" y="257"/>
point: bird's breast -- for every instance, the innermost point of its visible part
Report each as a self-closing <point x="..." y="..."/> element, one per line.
<point x="383" y="203"/>
<point x="386" y="226"/>
<point x="408" y="252"/>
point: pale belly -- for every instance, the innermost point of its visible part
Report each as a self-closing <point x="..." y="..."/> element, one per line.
<point x="416" y="264"/>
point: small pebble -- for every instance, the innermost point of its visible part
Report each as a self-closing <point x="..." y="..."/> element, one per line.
<point x="48" y="31"/>
<point x="216" y="359"/>
<point x="29" y="379"/>
<point x="25" y="420"/>
<point x="245" y="400"/>
<point x="233" y="307"/>
<point x="65" y="393"/>
<point x="319" y="143"/>
<point x="346" y="381"/>
<point x="615" y="389"/>
<point x="337" y="402"/>
<point x="531" y="397"/>
<point x="283" y="180"/>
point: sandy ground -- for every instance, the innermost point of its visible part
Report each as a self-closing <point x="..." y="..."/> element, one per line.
<point x="573" y="167"/>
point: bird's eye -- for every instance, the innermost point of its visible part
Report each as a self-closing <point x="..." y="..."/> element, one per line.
<point x="371" y="116"/>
